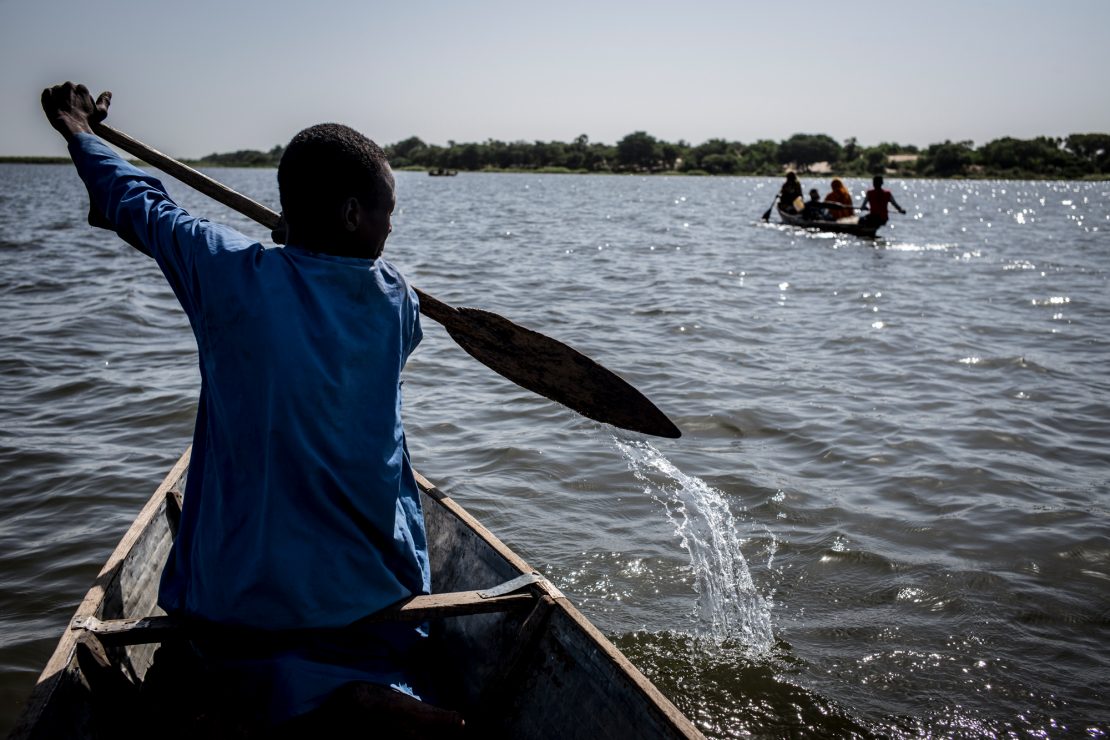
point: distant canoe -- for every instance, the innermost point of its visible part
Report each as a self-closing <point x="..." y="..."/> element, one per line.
<point x="849" y="225"/>
<point x="442" y="172"/>
<point x="517" y="659"/>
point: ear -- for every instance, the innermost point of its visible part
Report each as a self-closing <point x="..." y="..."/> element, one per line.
<point x="351" y="215"/>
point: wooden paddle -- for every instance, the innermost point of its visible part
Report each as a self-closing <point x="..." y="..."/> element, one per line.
<point x="767" y="213"/>
<point x="527" y="358"/>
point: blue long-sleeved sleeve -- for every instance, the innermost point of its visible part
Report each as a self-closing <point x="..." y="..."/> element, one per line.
<point x="138" y="208"/>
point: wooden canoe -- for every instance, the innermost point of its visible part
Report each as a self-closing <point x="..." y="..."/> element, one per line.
<point x="848" y="225"/>
<point x="525" y="665"/>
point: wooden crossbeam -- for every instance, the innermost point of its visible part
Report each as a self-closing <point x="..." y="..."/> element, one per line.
<point x="142" y="630"/>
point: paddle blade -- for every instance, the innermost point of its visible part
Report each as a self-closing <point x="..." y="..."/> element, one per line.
<point x="767" y="215"/>
<point x="555" y="371"/>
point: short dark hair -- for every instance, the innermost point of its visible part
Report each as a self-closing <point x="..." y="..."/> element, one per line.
<point x="325" y="164"/>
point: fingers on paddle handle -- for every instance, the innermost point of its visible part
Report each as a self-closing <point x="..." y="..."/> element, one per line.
<point x="102" y="102"/>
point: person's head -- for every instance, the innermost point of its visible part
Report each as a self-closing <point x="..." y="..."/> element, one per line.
<point x="814" y="195"/>
<point x="791" y="177"/>
<point x="337" y="191"/>
<point x="877" y="181"/>
<point x="838" y="185"/>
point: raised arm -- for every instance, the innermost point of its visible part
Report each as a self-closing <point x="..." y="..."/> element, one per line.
<point x="133" y="203"/>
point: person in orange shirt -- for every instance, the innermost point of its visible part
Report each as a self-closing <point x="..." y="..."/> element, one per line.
<point x="839" y="194"/>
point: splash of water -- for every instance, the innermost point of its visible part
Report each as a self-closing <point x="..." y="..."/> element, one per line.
<point x="729" y="603"/>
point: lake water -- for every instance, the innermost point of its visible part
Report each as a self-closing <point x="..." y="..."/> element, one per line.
<point x="888" y="514"/>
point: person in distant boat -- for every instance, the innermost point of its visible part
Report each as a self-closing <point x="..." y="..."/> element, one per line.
<point x="876" y="202"/>
<point x="814" y="209"/>
<point x="790" y="193"/>
<point x="302" y="515"/>
<point x="839" y="194"/>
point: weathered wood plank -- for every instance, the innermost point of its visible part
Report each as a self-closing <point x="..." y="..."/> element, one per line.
<point x="144" y="630"/>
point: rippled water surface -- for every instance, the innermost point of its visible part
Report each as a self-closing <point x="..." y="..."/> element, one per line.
<point x="888" y="514"/>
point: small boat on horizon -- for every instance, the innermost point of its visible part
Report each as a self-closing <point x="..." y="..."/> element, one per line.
<point x="441" y="172"/>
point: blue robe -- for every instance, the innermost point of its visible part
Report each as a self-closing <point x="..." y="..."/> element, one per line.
<point x="301" y="510"/>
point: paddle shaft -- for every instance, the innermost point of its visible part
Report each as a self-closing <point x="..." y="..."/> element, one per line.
<point x="431" y="307"/>
<point x="531" y="360"/>
<point x="767" y="213"/>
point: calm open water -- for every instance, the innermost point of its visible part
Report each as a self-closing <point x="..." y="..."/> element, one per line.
<point x="888" y="515"/>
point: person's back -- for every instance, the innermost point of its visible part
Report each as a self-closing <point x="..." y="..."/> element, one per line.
<point x="301" y="514"/>
<point x="839" y="194"/>
<point x="790" y="194"/>
<point x="876" y="200"/>
<point x="301" y="510"/>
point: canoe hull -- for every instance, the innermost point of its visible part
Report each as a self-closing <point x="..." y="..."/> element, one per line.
<point x="849" y="225"/>
<point x="544" y="671"/>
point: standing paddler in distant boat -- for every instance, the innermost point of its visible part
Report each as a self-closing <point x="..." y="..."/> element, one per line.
<point x="301" y="513"/>
<point x="876" y="201"/>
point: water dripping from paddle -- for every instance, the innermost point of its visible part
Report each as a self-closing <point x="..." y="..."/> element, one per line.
<point x="729" y="608"/>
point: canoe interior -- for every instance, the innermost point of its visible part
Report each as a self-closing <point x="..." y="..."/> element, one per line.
<point x="544" y="671"/>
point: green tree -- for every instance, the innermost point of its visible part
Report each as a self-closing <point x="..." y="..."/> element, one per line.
<point x="696" y="156"/>
<point x="1095" y="148"/>
<point x="240" y="158"/>
<point x="1040" y="156"/>
<point x="407" y="152"/>
<point x="760" y="158"/>
<point x="947" y="159"/>
<point x="672" y="153"/>
<point x="851" y="149"/>
<point x="600" y="157"/>
<point x="471" y="157"/>
<point x="874" y="160"/>
<point x="806" y="149"/>
<point x="721" y="164"/>
<point x="638" y="150"/>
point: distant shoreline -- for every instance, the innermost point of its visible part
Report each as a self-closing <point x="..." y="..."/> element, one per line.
<point x="1076" y="157"/>
<point x="200" y="164"/>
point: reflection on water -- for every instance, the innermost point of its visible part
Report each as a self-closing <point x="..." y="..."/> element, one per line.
<point x="888" y="512"/>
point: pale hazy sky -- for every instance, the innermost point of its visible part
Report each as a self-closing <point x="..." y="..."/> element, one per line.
<point x="205" y="75"/>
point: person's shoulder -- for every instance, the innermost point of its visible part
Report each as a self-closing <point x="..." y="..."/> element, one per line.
<point x="225" y="242"/>
<point x="390" y="274"/>
<point x="388" y="268"/>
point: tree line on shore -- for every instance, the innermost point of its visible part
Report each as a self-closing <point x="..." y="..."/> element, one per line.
<point x="1072" y="157"/>
<point x="1075" y="156"/>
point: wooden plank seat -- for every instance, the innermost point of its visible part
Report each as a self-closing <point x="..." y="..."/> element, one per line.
<point x="151" y="629"/>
